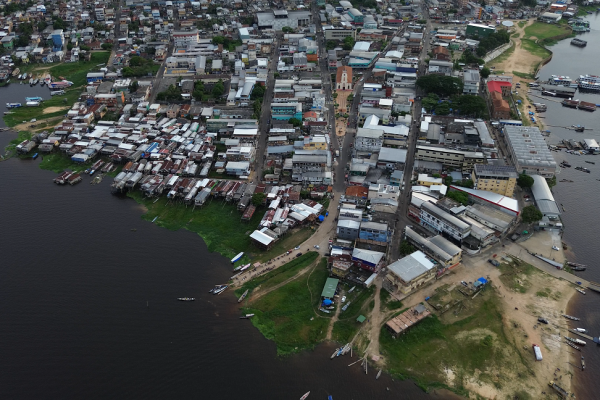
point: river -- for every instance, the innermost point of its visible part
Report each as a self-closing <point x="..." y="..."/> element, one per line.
<point x="579" y="198"/>
<point x="88" y="308"/>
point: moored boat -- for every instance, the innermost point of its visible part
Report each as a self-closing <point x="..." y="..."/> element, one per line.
<point x="186" y="298"/>
<point x="13" y="105"/>
<point x="243" y="296"/>
<point x="237" y="257"/>
<point x="580" y="291"/>
<point x="247" y="316"/>
<point x="220" y="290"/>
<point x="560" y="390"/>
<point x="34" y="156"/>
<point x="576" y="341"/>
<point x="570" y="317"/>
<point x="581" y="330"/>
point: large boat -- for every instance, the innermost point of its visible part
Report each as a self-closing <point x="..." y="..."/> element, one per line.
<point x="589" y="82"/>
<point x="587" y="106"/>
<point x="32" y="104"/>
<point x="578" y="42"/>
<point x="220" y="290"/>
<point x="186" y="298"/>
<point x="548" y="93"/>
<point x="560" y="80"/>
<point x="16" y="72"/>
<point x="570" y="103"/>
<point x="570" y="317"/>
<point x="37" y="98"/>
<point x="13" y="105"/>
<point x="576" y="341"/>
<point x="59" y="85"/>
<point x="560" y="390"/>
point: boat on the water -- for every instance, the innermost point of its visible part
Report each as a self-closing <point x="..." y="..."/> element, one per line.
<point x="243" y="296"/>
<point x="217" y="287"/>
<point x="581" y="330"/>
<point x="220" y="290"/>
<point x="13" y="105"/>
<point x="155" y="218"/>
<point x="237" y="258"/>
<point x="304" y="396"/>
<point x="580" y="291"/>
<point x="570" y="317"/>
<point x="576" y="341"/>
<point x="37" y="98"/>
<point x="378" y="375"/>
<point x="186" y="298"/>
<point x="591" y="162"/>
<point x="579" y="42"/>
<point x="247" y="316"/>
<point x="572" y="345"/>
<point x="34" y="156"/>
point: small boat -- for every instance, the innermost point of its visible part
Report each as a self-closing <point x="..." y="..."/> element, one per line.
<point x="221" y="289"/>
<point x="237" y="258"/>
<point x="582" y="363"/>
<point x="578" y="268"/>
<point x="37" y="98"/>
<point x="560" y="390"/>
<point x="24" y="76"/>
<point x="243" y="296"/>
<point x="247" y="316"/>
<point x="34" y="156"/>
<point x="324" y="310"/>
<point x="13" y="105"/>
<point x="378" y="375"/>
<point x="576" y="341"/>
<point x="92" y="172"/>
<point x="335" y="353"/>
<point x="580" y="291"/>
<point x="570" y="317"/>
<point x="217" y="287"/>
<point x="581" y="330"/>
<point x="186" y="298"/>
<point x="155" y="218"/>
<point x="591" y="162"/>
<point x="572" y="345"/>
<point x="305" y="396"/>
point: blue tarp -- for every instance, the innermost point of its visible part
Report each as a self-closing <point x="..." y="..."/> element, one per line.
<point x="482" y="280"/>
<point x="327" y="302"/>
<point x="321" y="218"/>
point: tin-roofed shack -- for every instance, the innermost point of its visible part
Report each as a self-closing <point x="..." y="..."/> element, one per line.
<point x="330" y="288"/>
<point x="407" y="319"/>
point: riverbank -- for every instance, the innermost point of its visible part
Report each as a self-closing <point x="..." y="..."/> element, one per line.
<point x="57" y="105"/>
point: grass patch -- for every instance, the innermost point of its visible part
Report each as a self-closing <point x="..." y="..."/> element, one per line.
<point x="358" y="299"/>
<point x="502" y="57"/>
<point x="11" y="148"/>
<point x="523" y="75"/>
<point x="218" y="223"/>
<point x="288" y="316"/>
<point x="282" y="273"/>
<point x="544" y="293"/>
<point x="535" y="49"/>
<point x="475" y="343"/>
<point x="289" y="242"/>
<point x="514" y="275"/>
<point x="544" y="31"/>
<point x="388" y="302"/>
<point x="58" y="162"/>
<point x="25" y="114"/>
<point x="344" y="331"/>
<point x="522" y="24"/>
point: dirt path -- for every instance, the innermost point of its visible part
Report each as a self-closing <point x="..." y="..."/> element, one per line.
<point x="376" y="321"/>
<point x="258" y="294"/>
<point x="333" y="320"/>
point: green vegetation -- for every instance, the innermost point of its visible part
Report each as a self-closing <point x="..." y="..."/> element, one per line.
<point x="280" y="274"/>
<point x="346" y="326"/>
<point x="551" y="181"/>
<point x="522" y="24"/>
<point x="440" y="85"/>
<point x="492" y="41"/>
<point x="477" y="342"/>
<point x="514" y="275"/>
<point x="288" y="242"/>
<point x="535" y="49"/>
<point x="485" y="72"/>
<point x="348" y="43"/>
<point x="218" y="223"/>
<point x="59" y="162"/>
<point x="525" y="181"/>
<point x="139" y="66"/>
<point x="461" y="197"/>
<point x="289" y="316"/>
<point x="406" y="248"/>
<point x="172" y="93"/>
<point x="387" y="302"/>
<point x="523" y="75"/>
<point x="26" y="114"/>
<point x="542" y="31"/>
<point x="227" y="43"/>
<point x="531" y="214"/>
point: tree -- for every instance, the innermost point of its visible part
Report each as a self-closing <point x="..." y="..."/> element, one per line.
<point x="106" y="46"/>
<point x="442" y="108"/>
<point x="134" y="86"/>
<point x="430" y="101"/>
<point x="258" y="199"/>
<point x="525" y="181"/>
<point x="218" y="89"/>
<point x="531" y="214"/>
<point x="460" y="197"/>
<point x="471" y="105"/>
<point x="330" y="44"/>
<point x="348" y="43"/>
<point x="406" y="248"/>
<point x="485" y="72"/>
<point x="287" y="29"/>
<point x="295" y="121"/>
<point x="448" y="180"/>
<point x="258" y="92"/>
<point x="59" y="23"/>
<point x="468" y="183"/>
<point x="440" y="84"/>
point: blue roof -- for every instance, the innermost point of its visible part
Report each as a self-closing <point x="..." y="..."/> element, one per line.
<point x="482" y="280"/>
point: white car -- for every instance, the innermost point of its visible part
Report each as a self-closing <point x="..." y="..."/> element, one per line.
<point x="317" y="246"/>
<point x="343" y="299"/>
<point x="555" y="248"/>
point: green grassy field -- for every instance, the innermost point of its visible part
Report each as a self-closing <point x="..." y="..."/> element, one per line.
<point x="544" y="31"/>
<point x="217" y="222"/>
<point x="59" y="162"/>
<point x="535" y="49"/>
<point x="346" y="326"/>
<point x="288" y="316"/>
<point x="280" y="274"/>
<point x="288" y="242"/>
<point x="475" y="343"/>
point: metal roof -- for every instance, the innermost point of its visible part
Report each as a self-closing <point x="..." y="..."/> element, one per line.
<point x="411" y="266"/>
<point x="330" y="287"/>
<point x="495" y="170"/>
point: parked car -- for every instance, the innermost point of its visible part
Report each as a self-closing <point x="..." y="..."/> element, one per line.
<point x="555" y="248"/>
<point x="543" y="320"/>
<point x="494" y="262"/>
<point x="298" y="255"/>
<point x="317" y="246"/>
<point x="343" y="299"/>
